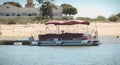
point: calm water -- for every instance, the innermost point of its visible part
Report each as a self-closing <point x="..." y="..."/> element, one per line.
<point x="108" y="53"/>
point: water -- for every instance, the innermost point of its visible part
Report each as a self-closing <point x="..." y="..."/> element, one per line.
<point x="105" y="54"/>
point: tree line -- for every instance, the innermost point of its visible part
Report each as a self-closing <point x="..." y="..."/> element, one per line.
<point x="112" y="18"/>
<point x="13" y="3"/>
<point x="69" y="10"/>
<point x="48" y="5"/>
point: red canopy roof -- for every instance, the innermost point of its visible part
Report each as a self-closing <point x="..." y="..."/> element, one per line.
<point x="68" y="22"/>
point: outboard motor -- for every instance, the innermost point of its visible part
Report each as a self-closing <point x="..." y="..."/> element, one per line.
<point x="32" y="41"/>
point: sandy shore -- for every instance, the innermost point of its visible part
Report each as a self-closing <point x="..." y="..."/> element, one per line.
<point x="104" y="29"/>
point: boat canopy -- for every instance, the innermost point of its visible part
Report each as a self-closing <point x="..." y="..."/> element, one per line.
<point x="67" y="22"/>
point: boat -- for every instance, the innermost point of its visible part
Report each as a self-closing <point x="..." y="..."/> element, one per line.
<point x="87" y="38"/>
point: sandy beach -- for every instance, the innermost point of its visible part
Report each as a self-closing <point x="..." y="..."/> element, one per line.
<point x="18" y="30"/>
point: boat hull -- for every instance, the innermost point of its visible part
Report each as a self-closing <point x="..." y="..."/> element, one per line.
<point x="66" y="43"/>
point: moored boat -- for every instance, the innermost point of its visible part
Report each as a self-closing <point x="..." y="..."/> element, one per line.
<point x="87" y="38"/>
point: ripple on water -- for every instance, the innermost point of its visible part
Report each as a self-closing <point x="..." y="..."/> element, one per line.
<point x="104" y="54"/>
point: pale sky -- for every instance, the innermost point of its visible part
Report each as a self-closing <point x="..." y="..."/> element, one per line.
<point x="86" y="8"/>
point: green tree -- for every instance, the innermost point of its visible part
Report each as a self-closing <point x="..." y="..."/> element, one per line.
<point x="72" y="11"/>
<point x="113" y="18"/>
<point x="46" y="8"/>
<point x="66" y="5"/>
<point x="68" y="9"/>
<point x="13" y="3"/>
<point x="100" y="18"/>
<point x="118" y="15"/>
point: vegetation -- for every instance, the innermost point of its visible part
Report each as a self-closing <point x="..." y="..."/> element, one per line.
<point x="85" y="18"/>
<point x="118" y="15"/>
<point x="13" y="3"/>
<point x="11" y="22"/>
<point x="17" y="20"/>
<point x="112" y="18"/>
<point x="46" y="8"/>
<point x="68" y="9"/>
<point x="101" y="18"/>
<point x="46" y="13"/>
<point x="40" y="19"/>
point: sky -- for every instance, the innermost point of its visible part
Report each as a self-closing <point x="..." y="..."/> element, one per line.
<point x="86" y="8"/>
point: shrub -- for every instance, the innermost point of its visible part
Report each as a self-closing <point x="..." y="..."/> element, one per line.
<point x="113" y="18"/>
<point x="100" y="18"/>
<point x="85" y="18"/>
<point x="11" y="22"/>
<point x="118" y="15"/>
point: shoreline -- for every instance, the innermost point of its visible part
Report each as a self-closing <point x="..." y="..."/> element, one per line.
<point x="23" y="31"/>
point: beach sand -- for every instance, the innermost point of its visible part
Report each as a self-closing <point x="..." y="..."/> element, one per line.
<point x="104" y="29"/>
